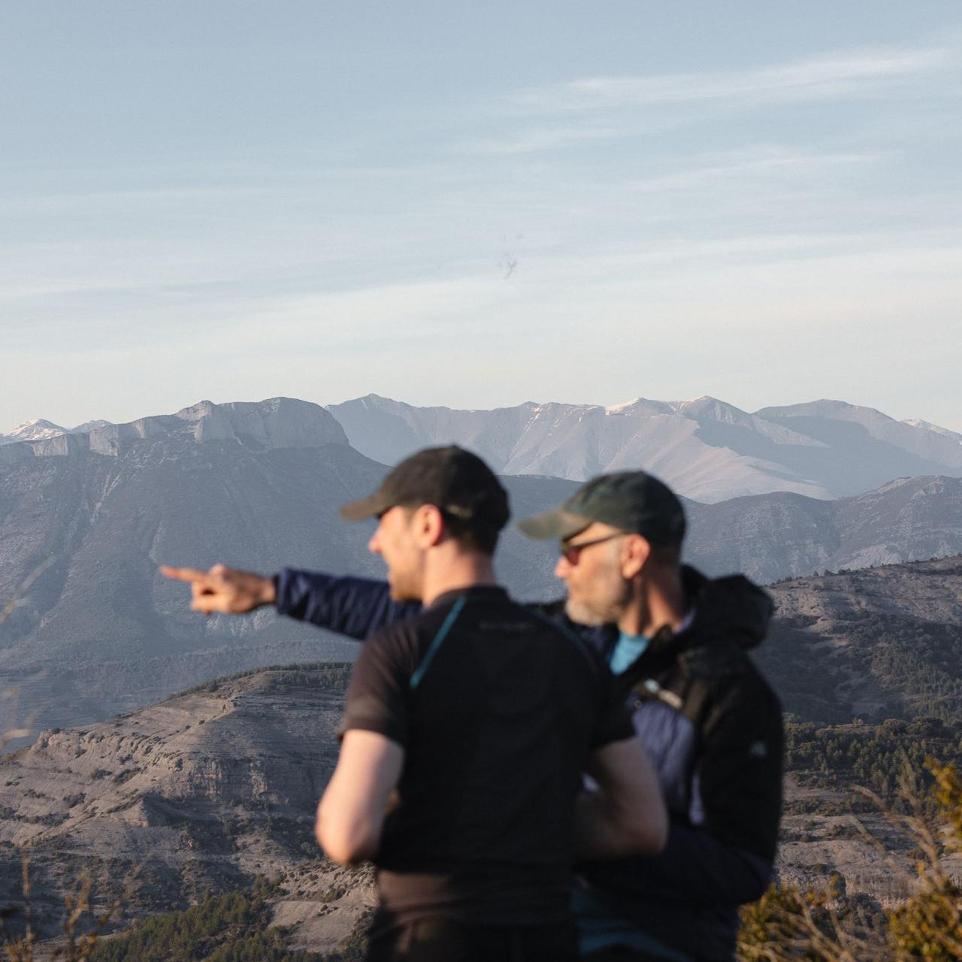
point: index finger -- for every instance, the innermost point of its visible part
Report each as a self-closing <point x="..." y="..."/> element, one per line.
<point x="191" y="575"/>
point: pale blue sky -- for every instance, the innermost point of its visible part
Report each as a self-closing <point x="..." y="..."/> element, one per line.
<point x="476" y="205"/>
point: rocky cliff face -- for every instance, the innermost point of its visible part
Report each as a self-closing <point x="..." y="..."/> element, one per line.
<point x="86" y="519"/>
<point x="780" y="535"/>
<point x="880" y="643"/>
<point x="202" y="792"/>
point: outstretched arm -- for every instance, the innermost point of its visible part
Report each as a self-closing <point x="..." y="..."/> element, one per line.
<point x="355" y="607"/>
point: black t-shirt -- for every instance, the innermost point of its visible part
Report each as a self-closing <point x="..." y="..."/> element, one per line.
<point x="497" y="710"/>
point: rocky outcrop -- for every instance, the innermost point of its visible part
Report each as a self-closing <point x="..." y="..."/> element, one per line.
<point x="780" y="535"/>
<point x="872" y="644"/>
<point x="202" y="792"/>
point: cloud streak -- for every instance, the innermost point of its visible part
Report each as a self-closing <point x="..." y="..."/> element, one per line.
<point x="754" y="164"/>
<point x="543" y="138"/>
<point x="850" y="74"/>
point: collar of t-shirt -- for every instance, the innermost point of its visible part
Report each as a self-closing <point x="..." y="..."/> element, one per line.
<point x="494" y="592"/>
<point x="629" y="648"/>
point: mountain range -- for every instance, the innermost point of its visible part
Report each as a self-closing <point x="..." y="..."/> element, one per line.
<point x="86" y="518"/>
<point x="707" y="449"/>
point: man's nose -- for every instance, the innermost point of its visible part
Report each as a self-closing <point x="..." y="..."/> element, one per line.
<point x="374" y="545"/>
<point x="562" y="569"/>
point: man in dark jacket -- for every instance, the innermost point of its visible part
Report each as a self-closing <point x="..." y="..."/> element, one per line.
<point x="678" y="643"/>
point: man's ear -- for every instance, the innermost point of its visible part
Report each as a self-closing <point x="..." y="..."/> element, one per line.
<point x="635" y="552"/>
<point x="427" y="526"/>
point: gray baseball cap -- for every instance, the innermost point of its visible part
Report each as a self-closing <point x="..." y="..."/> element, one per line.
<point x="633" y="501"/>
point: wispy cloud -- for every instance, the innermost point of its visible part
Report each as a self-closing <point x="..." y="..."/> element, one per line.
<point x="846" y="74"/>
<point x="543" y="138"/>
<point x="757" y="163"/>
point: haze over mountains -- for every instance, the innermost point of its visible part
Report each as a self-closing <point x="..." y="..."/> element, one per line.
<point x="85" y="519"/>
<point x="706" y="449"/>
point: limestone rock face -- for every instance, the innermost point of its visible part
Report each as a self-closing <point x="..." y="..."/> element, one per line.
<point x="85" y="521"/>
<point x="271" y="424"/>
<point x="202" y="792"/>
<point x="780" y="535"/>
<point x="35" y="430"/>
<point x="872" y="644"/>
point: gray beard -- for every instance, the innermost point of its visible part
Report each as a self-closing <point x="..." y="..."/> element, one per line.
<point x="599" y="611"/>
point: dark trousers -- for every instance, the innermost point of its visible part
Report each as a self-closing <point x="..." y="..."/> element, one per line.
<point x="444" y="940"/>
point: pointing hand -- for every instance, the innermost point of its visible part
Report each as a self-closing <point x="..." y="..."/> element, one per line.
<point x="224" y="590"/>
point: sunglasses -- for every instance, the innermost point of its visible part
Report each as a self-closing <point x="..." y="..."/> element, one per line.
<point x="572" y="552"/>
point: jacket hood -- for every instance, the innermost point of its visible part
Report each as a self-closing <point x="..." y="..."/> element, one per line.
<point x="731" y="606"/>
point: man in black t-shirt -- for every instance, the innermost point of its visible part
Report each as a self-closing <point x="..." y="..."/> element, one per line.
<point x="465" y="733"/>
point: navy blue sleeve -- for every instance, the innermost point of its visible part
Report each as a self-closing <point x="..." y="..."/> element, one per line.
<point x="356" y="607"/>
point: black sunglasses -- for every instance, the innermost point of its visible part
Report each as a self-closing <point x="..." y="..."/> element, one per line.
<point x="572" y="552"/>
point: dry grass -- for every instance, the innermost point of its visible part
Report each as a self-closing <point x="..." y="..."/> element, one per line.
<point x="82" y="925"/>
<point x="791" y="925"/>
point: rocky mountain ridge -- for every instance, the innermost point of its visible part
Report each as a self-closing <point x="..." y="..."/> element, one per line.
<point x="85" y="521"/>
<point x="274" y="423"/>
<point x="869" y="645"/>
<point x="706" y="449"/>
<point x="778" y="535"/>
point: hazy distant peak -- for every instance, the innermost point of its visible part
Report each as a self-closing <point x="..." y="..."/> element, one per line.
<point x="89" y="426"/>
<point x="712" y="408"/>
<point x="376" y="400"/>
<point x="37" y="429"/>
<point x="273" y="423"/>
<point x="641" y="405"/>
<point x="935" y="428"/>
<point x="826" y="407"/>
<point x="196" y="411"/>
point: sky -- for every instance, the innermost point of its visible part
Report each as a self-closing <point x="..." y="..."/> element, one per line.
<point x="476" y="205"/>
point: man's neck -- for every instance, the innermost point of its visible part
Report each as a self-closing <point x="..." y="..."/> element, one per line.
<point x="455" y="571"/>
<point x="663" y="603"/>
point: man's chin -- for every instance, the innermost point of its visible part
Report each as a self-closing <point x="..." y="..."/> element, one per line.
<point x="580" y="614"/>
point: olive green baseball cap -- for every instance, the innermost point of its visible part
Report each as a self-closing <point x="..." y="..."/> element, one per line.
<point x="634" y="501"/>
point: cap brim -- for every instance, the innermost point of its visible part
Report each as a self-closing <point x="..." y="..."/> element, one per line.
<point x="364" y="508"/>
<point x="559" y="524"/>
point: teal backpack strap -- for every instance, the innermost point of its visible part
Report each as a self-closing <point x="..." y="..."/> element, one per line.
<point x="436" y="643"/>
